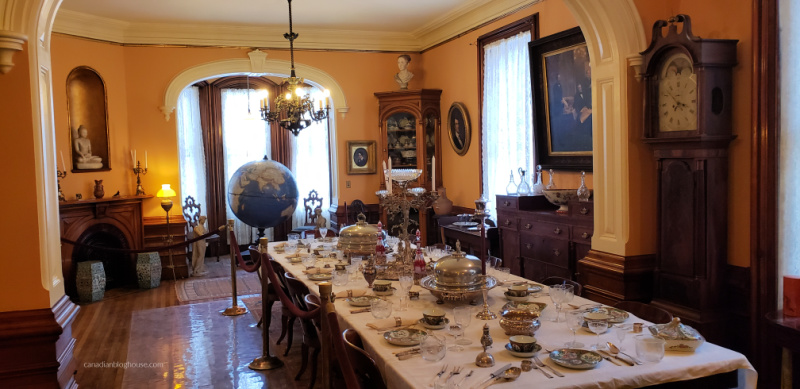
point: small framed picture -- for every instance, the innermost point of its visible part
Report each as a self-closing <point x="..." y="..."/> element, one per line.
<point x="361" y="157"/>
<point x="458" y="128"/>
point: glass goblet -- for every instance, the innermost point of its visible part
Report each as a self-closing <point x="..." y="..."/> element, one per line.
<point x="323" y="233"/>
<point x="574" y="323"/>
<point x="462" y="316"/>
<point x="598" y="327"/>
<point x="620" y="331"/>
<point x="406" y="281"/>
<point x="309" y="261"/>
<point x="380" y="308"/>
<point x="457" y="330"/>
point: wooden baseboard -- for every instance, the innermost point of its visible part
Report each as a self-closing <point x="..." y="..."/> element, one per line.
<point x="36" y="347"/>
<point x="609" y="278"/>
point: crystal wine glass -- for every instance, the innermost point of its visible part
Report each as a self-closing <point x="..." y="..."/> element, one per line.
<point x="457" y="330"/>
<point x="380" y="308"/>
<point x="559" y="294"/>
<point x="598" y="326"/>
<point x="323" y="232"/>
<point x="620" y="330"/>
<point x="406" y="281"/>
<point x="309" y="261"/>
<point x="462" y="316"/>
<point x="574" y="322"/>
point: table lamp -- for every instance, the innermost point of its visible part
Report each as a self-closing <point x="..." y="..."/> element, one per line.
<point x="166" y="193"/>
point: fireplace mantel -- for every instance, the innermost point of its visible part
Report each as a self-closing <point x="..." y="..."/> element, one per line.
<point x="123" y="213"/>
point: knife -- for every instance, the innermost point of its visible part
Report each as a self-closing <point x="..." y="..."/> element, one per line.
<point x="495" y="374"/>
<point x="607" y="357"/>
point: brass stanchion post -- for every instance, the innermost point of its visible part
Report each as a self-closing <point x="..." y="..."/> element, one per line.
<point x="265" y="361"/>
<point x="235" y="309"/>
<point x="325" y="290"/>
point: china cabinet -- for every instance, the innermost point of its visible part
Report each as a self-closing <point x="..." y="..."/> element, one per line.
<point x="409" y="134"/>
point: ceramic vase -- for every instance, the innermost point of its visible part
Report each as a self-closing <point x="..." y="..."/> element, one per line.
<point x="98" y="189"/>
<point x="442" y="205"/>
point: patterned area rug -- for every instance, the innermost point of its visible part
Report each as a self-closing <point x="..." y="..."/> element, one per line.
<point x="194" y="290"/>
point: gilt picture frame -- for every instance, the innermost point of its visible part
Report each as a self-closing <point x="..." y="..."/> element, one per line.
<point x="361" y="157"/>
<point x="562" y="100"/>
<point x="458" y="128"/>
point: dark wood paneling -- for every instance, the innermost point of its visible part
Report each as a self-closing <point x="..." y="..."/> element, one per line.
<point x="36" y="347"/>
<point x="609" y="278"/>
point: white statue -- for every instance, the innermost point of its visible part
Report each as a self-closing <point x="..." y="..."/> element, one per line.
<point x="199" y="249"/>
<point x="403" y="76"/>
<point x="83" y="148"/>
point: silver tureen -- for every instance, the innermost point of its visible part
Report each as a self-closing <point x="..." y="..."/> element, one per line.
<point x="457" y="277"/>
<point x="359" y="238"/>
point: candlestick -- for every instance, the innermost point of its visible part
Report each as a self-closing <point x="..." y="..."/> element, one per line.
<point x="433" y="173"/>
<point x="63" y="165"/>
<point x="389" y="188"/>
<point x="138" y="170"/>
<point x="60" y="174"/>
<point x="145" y="159"/>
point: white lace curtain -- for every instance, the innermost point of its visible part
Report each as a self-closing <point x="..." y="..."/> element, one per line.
<point x="244" y="140"/>
<point x="507" y="117"/>
<point x="311" y="166"/>
<point x="192" y="157"/>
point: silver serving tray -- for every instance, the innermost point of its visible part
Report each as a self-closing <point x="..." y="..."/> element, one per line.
<point x="471" y="293"/>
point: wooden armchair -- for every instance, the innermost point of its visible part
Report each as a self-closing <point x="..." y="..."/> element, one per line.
<point x="191" y="212"/>
<point x="647" y="312"/>
<point x="310" y="203"/>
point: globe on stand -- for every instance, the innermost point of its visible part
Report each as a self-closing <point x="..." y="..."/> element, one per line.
<point x="263" y="194"/>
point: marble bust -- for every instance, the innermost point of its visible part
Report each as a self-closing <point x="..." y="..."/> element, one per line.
<point x="199" y="249"/>
<point x="403" y="76"/>
<point x="83" y="149"/>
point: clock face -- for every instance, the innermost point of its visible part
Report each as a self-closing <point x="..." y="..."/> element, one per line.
<point x="677" y="94"/>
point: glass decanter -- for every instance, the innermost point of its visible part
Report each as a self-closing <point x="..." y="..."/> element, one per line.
<point x="552" y="183"/>
<point x="511" y="188"/>
<point x="523" y="189"/>
<point x="538" y="187"/>
<point x="583" y="191"/>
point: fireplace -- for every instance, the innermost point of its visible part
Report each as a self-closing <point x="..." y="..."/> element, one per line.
<point x="115" y="223"/>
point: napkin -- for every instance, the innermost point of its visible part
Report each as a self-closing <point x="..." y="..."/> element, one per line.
<point x="352" y="293"/>
<point x="316" y="270"/>
<point x="392" y="322"/>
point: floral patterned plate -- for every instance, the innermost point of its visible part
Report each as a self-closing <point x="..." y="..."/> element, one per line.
<point x="572" y="358"/>
<point x="617" y="315"/>
<point x="360" y="301"/>
<point x="528" y="306"/>
<point x="320" y="277"/>
<point x="405" y="337"/>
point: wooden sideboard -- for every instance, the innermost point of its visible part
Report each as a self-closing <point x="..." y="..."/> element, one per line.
<point x="537" y="242"/>
<point x="155" y="233"/>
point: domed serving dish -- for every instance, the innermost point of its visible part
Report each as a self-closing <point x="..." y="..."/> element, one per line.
<point x="561" y="197"/>
<point x="358" y="239"/>
<point x="516" y="321"/>
<point x="679" y="337"/>
<point x="457" y="277"/>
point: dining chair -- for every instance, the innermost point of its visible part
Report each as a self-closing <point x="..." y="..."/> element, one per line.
<point x="494" y="261"/>
<point x="310" y="203"/>
<point x="352" y="210"/>
<point x="191" y="212"/>
<point x="298" y="292"/>
<point x="553" y="280"/>
<point x="365" y="368"/>
<point x="647" y="312"/>
<point x="335" y="335"/>
<point x="287" y="318"/>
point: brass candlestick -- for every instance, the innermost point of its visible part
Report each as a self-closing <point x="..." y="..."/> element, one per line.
<point x="139" y="170"/>
<point x="235" y="309"/>
<point x="486" y="314"/>
<point x="61" y="174"/>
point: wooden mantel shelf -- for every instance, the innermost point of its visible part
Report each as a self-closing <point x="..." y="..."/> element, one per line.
<point x="72" y="203"/>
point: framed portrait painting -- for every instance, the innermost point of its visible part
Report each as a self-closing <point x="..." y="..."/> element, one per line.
<point x="361" y="157"/>
<point x="561" y="81"/>
<point x="458" y="128"/>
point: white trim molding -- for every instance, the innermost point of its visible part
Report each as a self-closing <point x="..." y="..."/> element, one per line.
<point x="10" y="43"/>
<point x="256" y="64"/>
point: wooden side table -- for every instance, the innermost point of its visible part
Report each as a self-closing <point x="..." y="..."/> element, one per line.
<point x="785" y="332"/>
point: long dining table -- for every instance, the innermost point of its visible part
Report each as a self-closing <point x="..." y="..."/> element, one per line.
<point x="415" y="372"/>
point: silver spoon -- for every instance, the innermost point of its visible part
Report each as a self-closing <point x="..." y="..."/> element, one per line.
<point x="615" y="350"/>
<point x="509" y="374"/>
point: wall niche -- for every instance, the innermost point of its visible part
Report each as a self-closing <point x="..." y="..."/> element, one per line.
<point x="88" y="120"/>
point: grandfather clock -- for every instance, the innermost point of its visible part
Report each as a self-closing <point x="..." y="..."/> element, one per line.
<point x="687" y="121"/>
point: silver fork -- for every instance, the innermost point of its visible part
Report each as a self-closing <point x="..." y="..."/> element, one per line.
<point x="456" y="370"/>
<point x="534" y="365"/>
<point x="541" y="364"/>
<point x="465" y="378"/>
<point x="439" y="374"/>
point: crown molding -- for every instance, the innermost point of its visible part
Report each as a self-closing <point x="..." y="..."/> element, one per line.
<point x="467" y="17"/>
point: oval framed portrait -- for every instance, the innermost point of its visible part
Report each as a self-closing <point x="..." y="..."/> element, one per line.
<point x="458" y="128"/>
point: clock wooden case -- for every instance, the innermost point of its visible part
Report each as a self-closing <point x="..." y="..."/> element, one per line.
<point x="687" y="121"/>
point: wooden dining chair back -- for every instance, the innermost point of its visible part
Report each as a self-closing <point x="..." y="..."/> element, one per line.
<point x="310" y="203"/>
<point x="365" y="368"/>
<point x="298" y="292"/>
<point x="339" y="348"/>
<point x="287" y="318"/>
<point x="313" y="302"/>
<point x="553" y="280"/>
<point x="352" y="210"/>
<point x="494" y="261"/>
<point x="644" y="311"/>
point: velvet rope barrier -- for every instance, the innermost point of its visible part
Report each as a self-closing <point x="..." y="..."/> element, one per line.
<point x="144" y="250"/>
<point x="286" y="300"/>
<point x="244" y="265"/>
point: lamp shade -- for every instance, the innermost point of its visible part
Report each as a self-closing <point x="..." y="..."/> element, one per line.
<point x="166" y="191"/>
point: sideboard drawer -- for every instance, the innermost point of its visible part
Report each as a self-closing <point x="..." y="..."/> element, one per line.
<point x="580" y="209"/>
<point x="582" y="234"/>
<point x="508" y="222"/>
<point x="552" y="230"/>
<point x="507" y="202"/>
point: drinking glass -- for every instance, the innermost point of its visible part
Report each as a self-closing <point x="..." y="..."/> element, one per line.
<point x="560" y="294"/>
<point x="462" y="316"/>
<point x="574" y="322"/>
<point x="457" y="330"/>
<point x="433" y="348"/>
<point x="351" y="271"/>
<point x="380" y="308"/>
<point x="649" y="349"/>
<point x="502" y="274"/>
<point x="292" y="240"/>
<point x="340" y="277"/>
<point x="309" y="261"/>
<point x="620" y="330"/>
<point x="598" y="327"/>
<point x="323" y="233"/>
<point x="406" y="281"/>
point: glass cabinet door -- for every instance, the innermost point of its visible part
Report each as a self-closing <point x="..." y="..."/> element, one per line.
<point x="401" y="135"/>
<point x="430" y="121"/>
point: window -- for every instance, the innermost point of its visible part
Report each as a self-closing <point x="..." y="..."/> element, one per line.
<point x="506" y="106"/>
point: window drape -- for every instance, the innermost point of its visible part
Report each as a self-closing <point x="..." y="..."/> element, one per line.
<point x="244" y="140"/>
<point x="507" y="139"/>
<point x="192" y="157"/>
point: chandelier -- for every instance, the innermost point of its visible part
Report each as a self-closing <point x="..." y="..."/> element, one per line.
<point x="294" y="110"/>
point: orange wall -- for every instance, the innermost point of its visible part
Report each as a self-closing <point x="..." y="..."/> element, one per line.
<point x="20" y="281"/>
<point x="736" y="24"/>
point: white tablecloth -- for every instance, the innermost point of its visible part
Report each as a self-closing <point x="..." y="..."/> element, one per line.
<point x="708" y="359"/>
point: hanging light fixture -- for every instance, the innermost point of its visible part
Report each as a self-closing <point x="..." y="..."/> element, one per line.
<point x="295" y="110"/>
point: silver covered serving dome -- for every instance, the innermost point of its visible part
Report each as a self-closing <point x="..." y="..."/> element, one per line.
<point x="457" y="270"/>
<point x="359" y="238"/>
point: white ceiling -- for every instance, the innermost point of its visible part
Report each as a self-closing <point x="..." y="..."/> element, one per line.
<point x="337" y="24"/>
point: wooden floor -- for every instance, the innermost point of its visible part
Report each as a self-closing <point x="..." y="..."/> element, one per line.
<point x="102" y="331"/>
